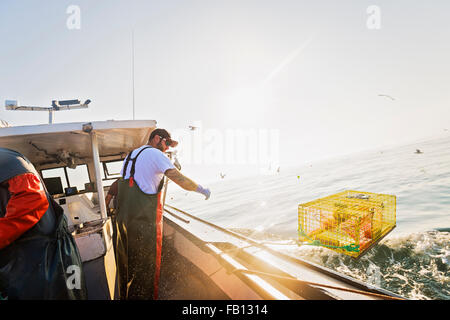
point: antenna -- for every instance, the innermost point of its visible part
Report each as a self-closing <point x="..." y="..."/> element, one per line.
<point x="132" y="64"/>
<point x="56" y="106"/>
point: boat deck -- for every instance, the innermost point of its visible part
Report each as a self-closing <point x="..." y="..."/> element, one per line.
<point x="181" y="280"/>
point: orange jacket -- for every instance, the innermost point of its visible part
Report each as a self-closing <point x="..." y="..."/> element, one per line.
<point x="26" y="206"/>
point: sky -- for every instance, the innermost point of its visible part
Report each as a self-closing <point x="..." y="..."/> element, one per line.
<point x="269" y="83"/>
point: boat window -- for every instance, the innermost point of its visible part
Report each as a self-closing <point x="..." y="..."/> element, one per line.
<point x="55" y="173"/>
<point x="69" y="177"/>
<point x="111" y="171"/>
<point x="78" y="176"/>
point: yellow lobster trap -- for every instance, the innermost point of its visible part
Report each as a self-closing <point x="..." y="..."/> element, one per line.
<point x="349" y="222"/>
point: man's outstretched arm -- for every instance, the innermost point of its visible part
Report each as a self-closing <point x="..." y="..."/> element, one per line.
<point x="176" y="176"/>
<point x="187" y="184"/>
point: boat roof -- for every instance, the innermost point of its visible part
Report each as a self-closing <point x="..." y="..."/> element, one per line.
<point x="47" y="143"/>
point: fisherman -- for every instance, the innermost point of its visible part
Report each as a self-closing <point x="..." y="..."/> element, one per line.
<point x="39" y="258"/>
<point x="112" y="195"/>
<point x="139" y="215"/>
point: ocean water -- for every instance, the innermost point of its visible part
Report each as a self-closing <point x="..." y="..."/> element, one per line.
<point x="413" y="260"/>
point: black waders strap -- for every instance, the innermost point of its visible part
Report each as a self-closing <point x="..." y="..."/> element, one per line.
<point x="133" y="164"/>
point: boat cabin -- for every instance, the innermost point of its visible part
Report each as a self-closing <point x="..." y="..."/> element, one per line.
<point x="78" y="162"/>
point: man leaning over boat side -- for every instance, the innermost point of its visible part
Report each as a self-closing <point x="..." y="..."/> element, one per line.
<point x="39" y="258"/>
<point x="111" y="211"/>
<point x="112" y="196"/>
<point x="139" y="215"/>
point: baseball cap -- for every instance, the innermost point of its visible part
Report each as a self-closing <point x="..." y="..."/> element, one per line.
<point x="165" y="135"/>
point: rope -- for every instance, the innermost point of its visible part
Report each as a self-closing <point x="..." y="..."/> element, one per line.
<point x="378" y="295"/>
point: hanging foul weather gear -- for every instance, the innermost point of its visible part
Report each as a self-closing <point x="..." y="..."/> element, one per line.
<point x="39" y="258"/>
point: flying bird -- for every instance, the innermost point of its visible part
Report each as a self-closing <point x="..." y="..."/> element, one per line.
<point x="177" y="164"/>
<point x="193" y="128"/>
<point x="4" y="124"/>
<point x="385" y="95"/>
<point x="222" y="175"/>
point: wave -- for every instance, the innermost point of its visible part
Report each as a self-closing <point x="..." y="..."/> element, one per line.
<point x="415" y="266"/>
<point x="412" y="261"/>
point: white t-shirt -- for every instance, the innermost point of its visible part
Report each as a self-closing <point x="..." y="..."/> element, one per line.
<point x="149" y="169"/>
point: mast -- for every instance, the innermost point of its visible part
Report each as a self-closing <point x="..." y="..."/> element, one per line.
<point x="132" y="66"/>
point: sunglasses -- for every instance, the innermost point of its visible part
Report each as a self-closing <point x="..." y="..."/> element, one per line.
<point x="167" y="141"/>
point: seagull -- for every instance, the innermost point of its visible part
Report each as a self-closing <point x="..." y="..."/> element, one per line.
<point x="177" y="164"/>
<point x="385" y="95"/>
<point x="222" y="175"/>
<point x="4" y="124"/>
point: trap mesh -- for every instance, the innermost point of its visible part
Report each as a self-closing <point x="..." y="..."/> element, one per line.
<point x="349" y="222"/>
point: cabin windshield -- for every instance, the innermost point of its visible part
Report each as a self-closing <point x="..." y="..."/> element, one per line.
<point x="58" y="179"/>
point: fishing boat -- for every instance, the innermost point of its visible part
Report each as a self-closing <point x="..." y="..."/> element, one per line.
<point x="200" y="260"/>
